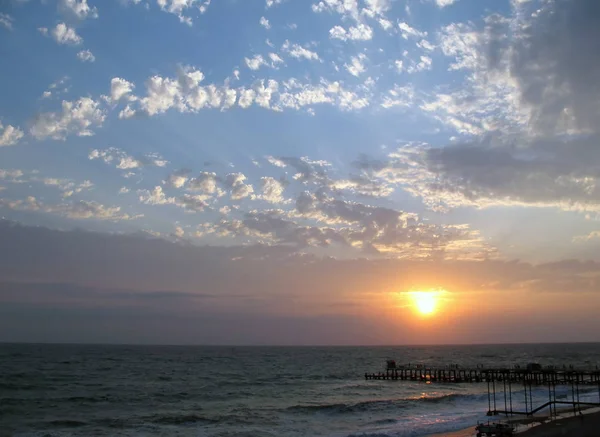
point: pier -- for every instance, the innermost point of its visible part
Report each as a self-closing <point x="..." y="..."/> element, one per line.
<point x="503" y="382"/>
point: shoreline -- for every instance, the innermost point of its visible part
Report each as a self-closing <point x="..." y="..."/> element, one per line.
<point x="586" y="424"/>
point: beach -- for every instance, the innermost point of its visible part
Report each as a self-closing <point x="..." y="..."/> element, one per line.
<point x="586" y="424"/>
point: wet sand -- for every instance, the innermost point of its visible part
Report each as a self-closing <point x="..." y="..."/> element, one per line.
<point x="586" y="425"/>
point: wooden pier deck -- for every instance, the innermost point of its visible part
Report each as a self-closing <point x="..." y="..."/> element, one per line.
<point x="480" y="374"/>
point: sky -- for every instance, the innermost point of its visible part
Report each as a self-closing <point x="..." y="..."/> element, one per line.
<point x="294" y="172"/>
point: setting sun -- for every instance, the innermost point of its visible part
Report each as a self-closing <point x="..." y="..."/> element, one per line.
<point x="424" y="302"/>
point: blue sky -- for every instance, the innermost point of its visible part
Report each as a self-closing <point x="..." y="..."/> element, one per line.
<point x="380" y="130"/>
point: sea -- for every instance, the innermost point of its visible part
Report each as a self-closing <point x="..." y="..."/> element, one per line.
<point x="101" y="390"/>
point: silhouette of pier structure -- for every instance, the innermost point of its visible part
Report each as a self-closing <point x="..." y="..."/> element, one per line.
<point x="506" y="383"/>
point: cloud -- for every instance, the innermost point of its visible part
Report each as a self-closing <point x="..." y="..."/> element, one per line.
<point x="444" y="3"/>
<point x="543" y="173"/>
<point x="64" y="34"/>
<point x="529" y="103"/>
<point x="121" y="89"/>
<point x="184" y="93"/>
<point x="265" y="23"/>
<point x="122" y="161"/>
<point x="178" y="7"/>
<point x="411" y="66"/>
<point x="357" y="65"/>
<point x="374" y="231"/>
<point x="86" y="56"/>
<point x="410" y="32"/>
<point x="275" y="58"/>
<point x="13" y="175"/>
<point x="78" y="210"/>
<point x="91" y="210"/>
<point x="346" y="8"/>
<point x="179" y="178"/>
<point x="67" y="186"/>
<point x="363" y="186"/>
<point x="586" y="238"/>
<point x="10" y="135"/>
<point x="270" y="3"/>
<point x="361" y="32"/>
<point x="206" y="182"/>
<point x="376" y="7"/>
<point x="296" y="95"/>
<point x="255" y="62"/>
<point x="79" y="8"/>
<point x="189" y="202"/>
<point x="426" y="45"/>
<point x="192" y="202"/>
<point x="307" y="170"/>
<point x="77" y="117"/>
<point x="299" y="52"/>
<point x="557" y="84"/>
<point x="239" y="189"/>
<point x="399" y="96"/>
<point x="6" y="21"/>
<point x="272" y="189"/>
<point x="155" y="197"/>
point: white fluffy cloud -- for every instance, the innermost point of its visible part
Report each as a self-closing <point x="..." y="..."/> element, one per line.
<point x="272" y="189"/>
<point x="206" y="182"/>
<point x="299" y="52"/>
<point x="265" y="23"/>
<point x="346" y="8"/>
<point x="76" y="117"/>
<point x="179" y="178"/>
<point x="122" y="161"/>
<point x="86" y="56"/>
<point x="6" y="21"/>
<point x="184" y="93"/>
<point x="189" y="202"/>
<point x="80" y="8"/>
<point x="9" y="135"/>
<point x="361" y="32"/>
<point x="121" y="89"/>
<point x="410" y="32"/>
<point x="357" y="65"/>
<point x="444" y="3"/>
<point x="179" y="7"/>
<point x="255" y="62"/>
<point x="270" y="3"/>
<point x="64" y="34"/>
<point x="239" y="189"/>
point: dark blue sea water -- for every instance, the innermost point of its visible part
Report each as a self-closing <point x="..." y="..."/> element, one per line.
<point x="78" y="390"/>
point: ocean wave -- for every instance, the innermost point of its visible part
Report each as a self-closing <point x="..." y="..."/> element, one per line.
<point x="178" y="419"/>
<point x="379" y="404"/>
<point x="66" y="423"/>
<point x="17" y="386"/>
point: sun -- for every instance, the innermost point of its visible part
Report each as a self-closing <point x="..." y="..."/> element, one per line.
<point x="425" y="302"/>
